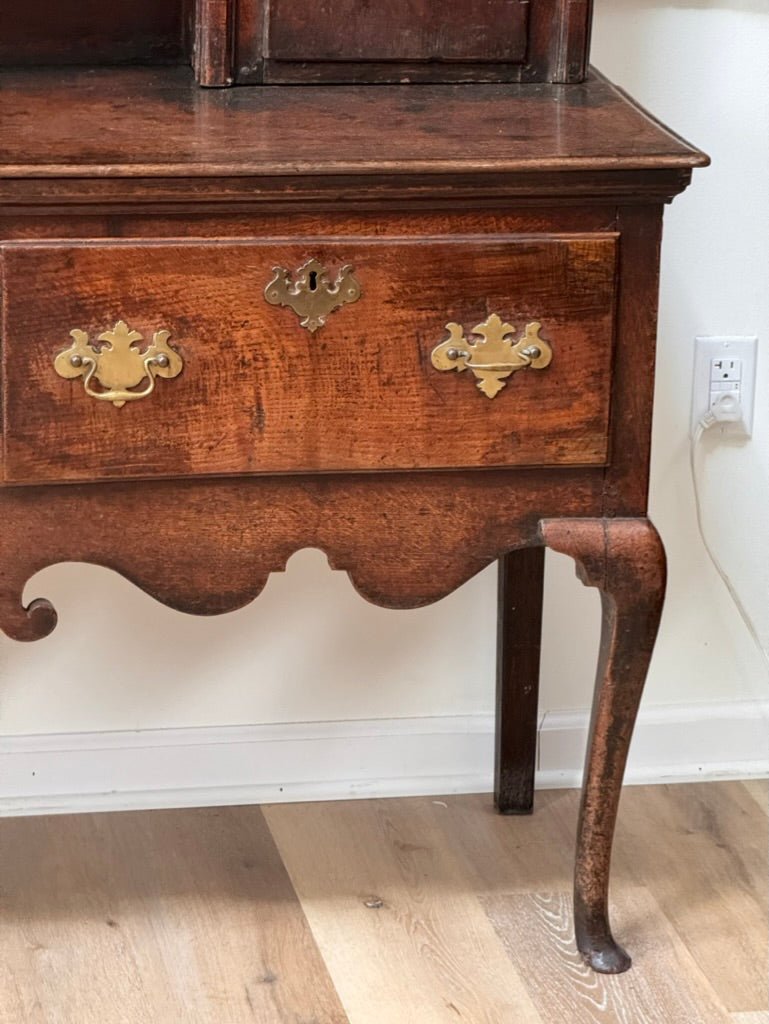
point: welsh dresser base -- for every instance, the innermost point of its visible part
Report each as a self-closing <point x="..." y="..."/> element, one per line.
<point x="411" y="326"/>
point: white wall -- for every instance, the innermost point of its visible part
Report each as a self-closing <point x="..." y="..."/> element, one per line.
<point x="703" y="66"/>
<point x="309" y="649"/>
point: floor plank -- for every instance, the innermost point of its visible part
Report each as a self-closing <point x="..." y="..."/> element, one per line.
<point x="759" y="790"/>
<point x="154" y="917"/>
<point x="663" y="986"/>
<point x="527" y="856"/>
<point x="420" y="911"/>
<point x="512" y="854"/>
<point x="702" y="851"/>
<point x="404" y="937"/>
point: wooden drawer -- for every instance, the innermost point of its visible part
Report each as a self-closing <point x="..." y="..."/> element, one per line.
<point x="260" y="393"/>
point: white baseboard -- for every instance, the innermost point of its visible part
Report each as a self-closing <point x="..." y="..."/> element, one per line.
<point x="343" y="760"/>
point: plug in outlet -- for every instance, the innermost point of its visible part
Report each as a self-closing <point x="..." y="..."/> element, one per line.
<point x="724" y="383"/>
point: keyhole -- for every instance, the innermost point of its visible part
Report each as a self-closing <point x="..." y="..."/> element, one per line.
<point x="313" y="281"/>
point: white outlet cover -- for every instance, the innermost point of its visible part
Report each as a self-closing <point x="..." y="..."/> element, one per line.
<point x="707" y="349"/>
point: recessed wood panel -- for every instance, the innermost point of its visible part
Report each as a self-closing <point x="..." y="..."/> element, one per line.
<point x="400" y="30"/>
<point x="91" y="31"/>
<point x="260" y="394"/>
<point x="281" y="41"/>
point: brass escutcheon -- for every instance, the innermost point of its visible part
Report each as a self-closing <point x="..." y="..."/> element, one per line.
<point x="310" y="293"/>
<point x="118" y="364"/>
<point x="495" y="355"/>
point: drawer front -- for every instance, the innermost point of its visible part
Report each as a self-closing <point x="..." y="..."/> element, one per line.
<point x="240" y="384"/>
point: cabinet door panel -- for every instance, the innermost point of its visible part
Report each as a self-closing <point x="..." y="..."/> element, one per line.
<point x="401" y="30"/>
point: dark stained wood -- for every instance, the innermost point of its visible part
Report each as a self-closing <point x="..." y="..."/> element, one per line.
<point x="625" y="560"/>
<point x="254" y="377"/>
<point x="402" y="30"/>
<point x="390" y="73"/>
<point x="467" y="40"/>
<point x="213" y="54"/>
<point x="386" y="192"/>
<point x="559" y="40"/>
<point x="173" y="129"/>
<point x="93" y="32"/>
<point x="248" y="43"/>
<point x="200" y="222"/>
<point x="208" y="546"/>
<point x="627" y="479"/>
<point x="519" y="633"/>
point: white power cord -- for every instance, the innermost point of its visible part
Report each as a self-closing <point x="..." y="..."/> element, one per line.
<point x="716" y="414"/>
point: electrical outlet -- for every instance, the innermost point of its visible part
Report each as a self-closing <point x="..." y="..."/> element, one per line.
<point x="725" y="377"/>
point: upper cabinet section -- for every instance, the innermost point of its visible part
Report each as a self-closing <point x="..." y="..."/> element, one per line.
<point x="261" y="42"/>
<point x="50" y="32"/>
<point x="349" y="41"/>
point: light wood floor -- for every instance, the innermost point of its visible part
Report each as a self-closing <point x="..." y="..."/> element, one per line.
<point x="418" y="911"/>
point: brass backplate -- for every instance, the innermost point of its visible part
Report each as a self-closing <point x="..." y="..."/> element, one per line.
<point x="495" y="354"/>
<point x="118" y="364"/>
<point x="310" y="292"/>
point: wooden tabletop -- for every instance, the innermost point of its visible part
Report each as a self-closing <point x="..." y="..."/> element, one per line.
<point x="150" y="122"/>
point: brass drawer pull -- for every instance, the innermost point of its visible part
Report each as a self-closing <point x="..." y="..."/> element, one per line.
<point x="311" y="294"/>
<point x="496" y="356"/>
<point x="118" y="364"/>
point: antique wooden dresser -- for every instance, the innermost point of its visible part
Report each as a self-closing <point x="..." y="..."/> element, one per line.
<point x="392" y="294"/>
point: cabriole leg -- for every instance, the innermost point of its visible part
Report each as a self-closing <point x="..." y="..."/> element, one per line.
<point x="625" y="560"/>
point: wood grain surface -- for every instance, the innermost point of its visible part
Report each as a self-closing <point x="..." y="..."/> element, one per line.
<point x="173" y="916"/>
<point x="406" y="41"/>
<point x="625" y="560"/>
<point x="382" y="890"/>
<point x="520" y="590"/>
<point x="162" y="124"/>
<point x="717" y="829"/>
<point x="213" y="39"/>
<point x="757" y="790"/>
<point x="208" y="546"/>
<point x="519" y="870"/>
<point x="143" y="918"/>
<point x="564" y="988"/>
<point x="404" y="30"/>
<point x="260" y="394"/>
<point x="626" y="478"/>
